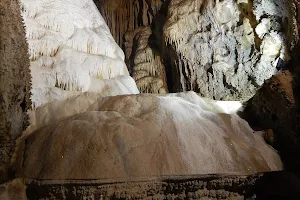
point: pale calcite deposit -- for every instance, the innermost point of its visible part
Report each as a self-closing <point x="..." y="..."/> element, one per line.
<point x="134" y="136"/>
<point x="70" y="46"/>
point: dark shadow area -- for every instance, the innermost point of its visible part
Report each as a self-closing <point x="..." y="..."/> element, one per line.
<point x="277" y="185"/>
<point x="168" y="54"/>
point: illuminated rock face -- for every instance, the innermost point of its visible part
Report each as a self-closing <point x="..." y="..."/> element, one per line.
<point x="70" y="46"/>
<point x="227" y="49"/>
<point x="135" y="136"/>
<point x="220" y="49"/>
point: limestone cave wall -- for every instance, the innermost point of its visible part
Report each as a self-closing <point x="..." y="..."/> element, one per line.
<point x="131" y="24"/>
<point x="14" y="81"/>
<point x="221" y="49"/>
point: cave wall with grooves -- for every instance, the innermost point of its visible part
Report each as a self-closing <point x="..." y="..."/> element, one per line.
<point x="14" y="81"/>
<point x="131" y="24"/>
<point x="224" y="50"/>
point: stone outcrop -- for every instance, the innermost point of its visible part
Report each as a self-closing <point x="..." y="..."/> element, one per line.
<point x="276" y="107"/>
<point x="14" y="81"/>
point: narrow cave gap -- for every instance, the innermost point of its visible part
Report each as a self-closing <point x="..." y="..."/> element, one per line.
<point x="168" y="54"/>
<point x="150" y="10"/>
<point x="131" y="58"/>
<point x="156" y="41"/>
<point x="140" y="14"/>
<point x="189" y="73"/>
<point x="170" y="58"/>
<point x="149" y="17"/>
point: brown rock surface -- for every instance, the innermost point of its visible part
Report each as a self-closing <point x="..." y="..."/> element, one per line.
<point x="275" y="107"/>
<point x="14" y="190"/>
<point x="14" y="80"/>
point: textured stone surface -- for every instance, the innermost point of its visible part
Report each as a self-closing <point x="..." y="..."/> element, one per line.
<point x="228" y="48"/>
<point x="71" y="50"/>
<point x="275" y="185"/>
<point x="148" y="70"/>
<point x="197" y="187"/>
<point x="276" y="107"/>
<point x="14" y="80"/>
<point x="220" y="49"/>
<point x="145" y="135"/>
<point x="14" y="190"/>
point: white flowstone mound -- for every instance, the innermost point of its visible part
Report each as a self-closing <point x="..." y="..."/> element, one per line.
<point x="70" y="46"/>
<point x="135" y="136"/>
<point x="97" y="134"/>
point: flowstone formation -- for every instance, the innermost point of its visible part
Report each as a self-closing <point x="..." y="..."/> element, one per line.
<point x="142" y="136"/>
<point x="71" y="51"/>
<point x="102" y="134"/>
<point x="220" y="49"/>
